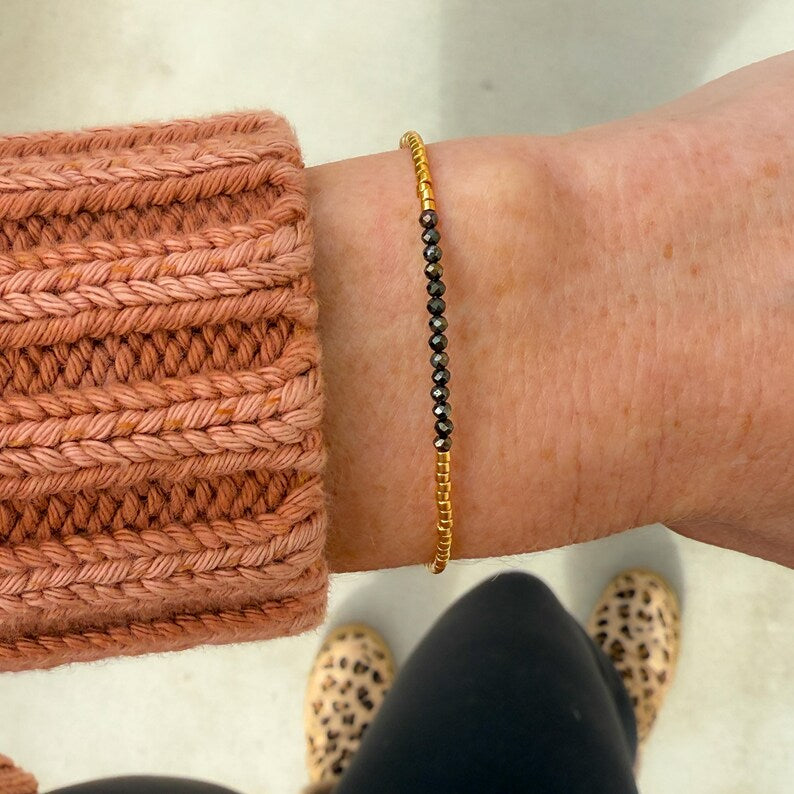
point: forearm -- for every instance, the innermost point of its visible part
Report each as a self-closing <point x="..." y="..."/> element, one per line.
<point x="620" y="333"/>
<point x="557" y="424"/>
<point x="694" y="206"/>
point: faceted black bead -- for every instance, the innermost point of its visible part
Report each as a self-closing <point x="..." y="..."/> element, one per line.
<point x="430" y="236"/>
<point x="444" y="427"/>
<point x="439" y="393"/>
<point x="436" y="306"/>
<point x="442" y="410"/>
<point x="432" y="253"/>
<point x="441" y="377"/>
<point x="438" y="324"/>
<point x="428" y="218"/>
<point x="434" y="270"/>
<point x="438" y="342"/>
<point x="442" y="444"/>
<point x="439" y="360"/>
<point x="436" y="288"/>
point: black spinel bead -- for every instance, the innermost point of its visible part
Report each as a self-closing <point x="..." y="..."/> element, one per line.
<point x="441" y="377"/>
<point x="439" y="394"/>
<point x="438" y="324"/>
<point x="442" y="410"/>
<point x="428" y="218"/>
<point x="442" y="444"/>
<point x="434" y="270"/>
<point x="439" y="360"/>
<point x="435" y="289"/>
<point x="432" y="253"/>
<point x="430" y="236"/>
<point x="444" y="427"/>
<point x="438" y="342"/>
<point x="436" y="306"/>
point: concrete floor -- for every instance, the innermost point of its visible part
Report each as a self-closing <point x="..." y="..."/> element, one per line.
<point x="352" y="77"/>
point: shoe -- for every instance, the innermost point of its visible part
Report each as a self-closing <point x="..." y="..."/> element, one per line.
<point x="637" y="623"/>
<point x="351" y="674"/>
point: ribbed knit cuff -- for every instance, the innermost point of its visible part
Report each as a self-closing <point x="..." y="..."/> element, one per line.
<point x="160" y="399"/>
<point x="14" y="780"/>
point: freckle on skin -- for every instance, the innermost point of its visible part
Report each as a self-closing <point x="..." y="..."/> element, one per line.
<point x="695" y="270"/>
<point x="633" y="299"/>
<point x="747" y="423"/>
<point x="668" y="251"/>
<point x="771" y="169"/>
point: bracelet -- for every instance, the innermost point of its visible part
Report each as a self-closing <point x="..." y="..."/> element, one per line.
<point x="428" y="220"/>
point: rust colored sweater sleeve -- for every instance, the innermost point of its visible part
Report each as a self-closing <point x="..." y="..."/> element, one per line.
<point x="161" y="455"/>
<point x="14" y="780"/>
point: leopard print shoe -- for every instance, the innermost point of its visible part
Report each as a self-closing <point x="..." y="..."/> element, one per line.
<point x="637" y="622"/>
<point x="352" y="673"/>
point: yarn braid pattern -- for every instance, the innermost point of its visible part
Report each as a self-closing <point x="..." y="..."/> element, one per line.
<point x="161" y="455"/>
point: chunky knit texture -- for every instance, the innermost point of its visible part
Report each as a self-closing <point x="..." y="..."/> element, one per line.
<point x="14" y="780"/>
<point x="160" y="398"/>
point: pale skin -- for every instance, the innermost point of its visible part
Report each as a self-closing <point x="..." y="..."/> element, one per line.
<point x="621" y="310"/>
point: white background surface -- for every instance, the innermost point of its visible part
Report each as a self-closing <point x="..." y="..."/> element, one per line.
<point x="351" y="77"/>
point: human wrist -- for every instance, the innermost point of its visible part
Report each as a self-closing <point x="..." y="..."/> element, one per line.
<point x="539" y="457"/>
<point x="620" y="326"/>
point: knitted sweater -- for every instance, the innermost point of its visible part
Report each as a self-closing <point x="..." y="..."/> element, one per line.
<point x="160" y="400"/>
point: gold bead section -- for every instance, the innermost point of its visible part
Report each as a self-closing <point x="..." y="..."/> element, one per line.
<point x="424" y="182"/>
<point x="444" y="509"/>
<point x="442" y="551"/>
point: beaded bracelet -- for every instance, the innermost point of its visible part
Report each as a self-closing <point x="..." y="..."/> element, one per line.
<point x="428" y="219"/>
